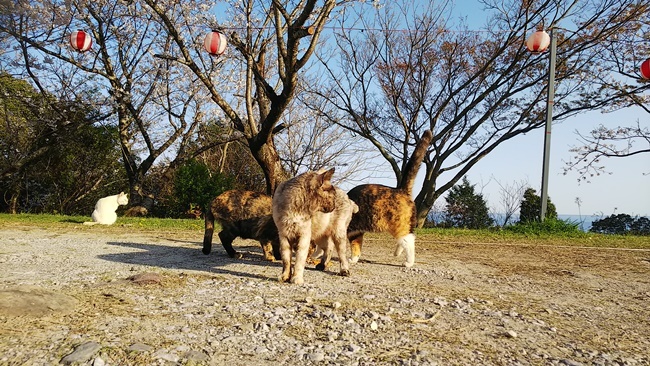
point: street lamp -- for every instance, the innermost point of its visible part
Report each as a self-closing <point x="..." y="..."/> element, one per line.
<point x="538" y="42"/>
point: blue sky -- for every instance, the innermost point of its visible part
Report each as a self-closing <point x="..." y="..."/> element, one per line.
<point x="626" y="190"/>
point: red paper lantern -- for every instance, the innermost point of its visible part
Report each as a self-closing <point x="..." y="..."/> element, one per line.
<point x="645" y="69"/>
<point x="538" y="42"/>
<point x="80" y="41"/>
<point x="215" y="43"/>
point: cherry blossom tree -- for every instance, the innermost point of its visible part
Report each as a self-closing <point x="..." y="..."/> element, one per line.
<point x="155" y="105"/>
<point x="272" y="44"/>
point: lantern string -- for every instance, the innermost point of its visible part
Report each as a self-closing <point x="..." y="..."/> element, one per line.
<point x="385" y="30"/>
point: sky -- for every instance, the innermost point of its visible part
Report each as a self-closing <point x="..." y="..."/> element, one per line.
<point x="625" y="190"/>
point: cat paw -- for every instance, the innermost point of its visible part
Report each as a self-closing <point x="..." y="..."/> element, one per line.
<point x="344" y="273"/>
<point x="236" y="255"/>
<point x="320" y="266"/>
<point x="408" y="264"/>
<point x="297" y="280"/>
<point x="354" y="259"/>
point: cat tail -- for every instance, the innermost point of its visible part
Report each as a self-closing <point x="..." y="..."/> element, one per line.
<point x="413" y="165"/>
<point x="209" y="231"/>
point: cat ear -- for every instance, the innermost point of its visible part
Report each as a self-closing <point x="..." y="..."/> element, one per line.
<point x="326" y="176"/>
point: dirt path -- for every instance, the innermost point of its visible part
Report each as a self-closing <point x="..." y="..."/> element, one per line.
<point x="461" y="304"/>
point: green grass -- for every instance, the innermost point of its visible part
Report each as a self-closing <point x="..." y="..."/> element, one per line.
<point x="139" y="223"/>
<point x="440" y="235"/>
<point x="578" y="239"/>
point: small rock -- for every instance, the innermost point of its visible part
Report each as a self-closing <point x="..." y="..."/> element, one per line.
<point x="332" y="335"/>
<point x="568" y="362"/>
<point x="166" y="356"/>
<point x="98" y="362"/>
<point x="146" y="278"/>
<point x="374" y="325"/>
<point x="440" y="302"/>
<point x="354" y="348"/>
<point x="336" y="305"/>
<point x="317" y="356"/>
<point x="511" y="334"/>
<point x="261" y="349"/>
<point x="140" y="347"/>
<point x="81" y="353"/>
<point x="196" y="356"/>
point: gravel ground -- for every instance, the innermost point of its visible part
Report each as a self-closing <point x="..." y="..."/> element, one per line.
<point x="91" y="297"/>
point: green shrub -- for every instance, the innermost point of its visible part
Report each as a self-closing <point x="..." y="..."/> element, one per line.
<point x="531" y="207"/>
<point x="466" y="208"/>
<point x="622" y="224"/>
<point x="548" y="226"/>
<point x="195" y="187"/>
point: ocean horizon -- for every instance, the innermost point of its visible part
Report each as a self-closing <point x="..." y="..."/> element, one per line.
<point x="584" y="221"/>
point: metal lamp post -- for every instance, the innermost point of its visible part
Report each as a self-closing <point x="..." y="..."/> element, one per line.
<point x="537" y="43"/>
<point x="549" y="122"/>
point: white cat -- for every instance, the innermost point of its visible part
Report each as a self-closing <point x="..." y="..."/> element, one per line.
<point x="105" y="209"/>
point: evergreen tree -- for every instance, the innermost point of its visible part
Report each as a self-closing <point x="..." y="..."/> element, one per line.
<point x="195" y="186"/>
<point x="622" y="224"/>
<point x="530" y="209"/>
<point x="465" y="208"/>
<point x="54" y="157"/>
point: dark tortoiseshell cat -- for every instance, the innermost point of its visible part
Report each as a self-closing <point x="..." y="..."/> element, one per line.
<point x="389" y="210"/>
<point x="244" y="214"/>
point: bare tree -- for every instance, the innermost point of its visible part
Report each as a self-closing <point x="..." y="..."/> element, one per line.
<point x="511" y="197"/>
<point x="624" y="53"/>
<point x="604" y="143"/>
<point x="473" y="89"/>
<point x="309" y="142"/>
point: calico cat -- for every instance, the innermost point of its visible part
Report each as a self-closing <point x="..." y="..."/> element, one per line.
<point x="244" y="214"/>
<point x="105" y="208"/>
<point x="295" y="202"/>
<point x="329" y="231"/>
<point x="390" y="210"/>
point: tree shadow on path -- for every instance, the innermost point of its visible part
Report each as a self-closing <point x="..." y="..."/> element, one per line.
<point x="173" y="257"/>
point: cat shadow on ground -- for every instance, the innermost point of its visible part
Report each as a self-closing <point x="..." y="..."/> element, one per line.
<point x="191" y="259"/>
<point x="73" y="221"/>
<point x="368" y="261"/>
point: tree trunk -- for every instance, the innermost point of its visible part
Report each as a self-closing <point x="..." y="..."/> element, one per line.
<point x="424" y="201"/>
<point x="13" y="203"/>
<point x="267" y="157"/>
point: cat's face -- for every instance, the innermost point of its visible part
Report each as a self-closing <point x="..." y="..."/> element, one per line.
<point x="122" y="199"/>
